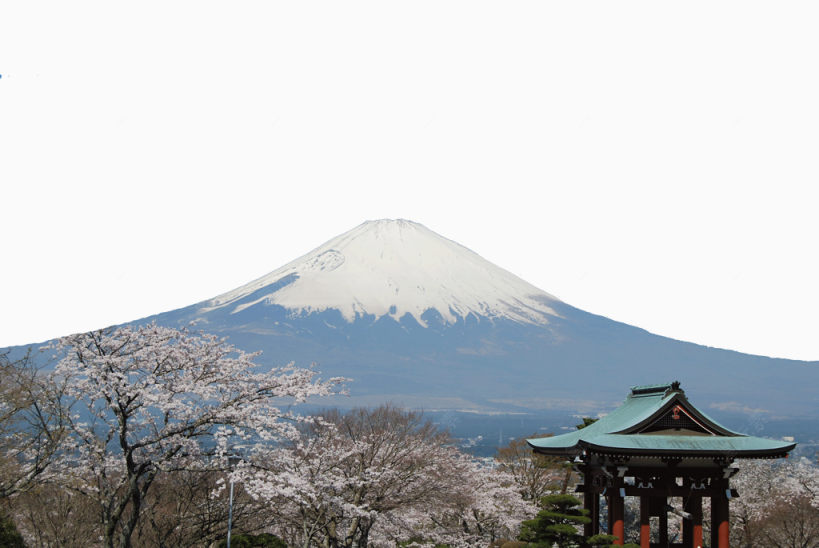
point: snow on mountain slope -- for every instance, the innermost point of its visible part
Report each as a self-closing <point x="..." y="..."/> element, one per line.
<point x="394" y="267"/>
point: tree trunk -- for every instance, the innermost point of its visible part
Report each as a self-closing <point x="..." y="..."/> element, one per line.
<point x="128" y="528"/>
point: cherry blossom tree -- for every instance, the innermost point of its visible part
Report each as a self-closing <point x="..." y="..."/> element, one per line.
<point x="536" y="475"/>
<point x="32" y="423"/>
<point x="791" y="525"/>
<point x="68" y="519"/>
<point x="153" y="399"/>
<point x="346" y="470"/>
<point x="767" y="490"/>
<point x="377" y="477"/>
<point x="479" y="506"/>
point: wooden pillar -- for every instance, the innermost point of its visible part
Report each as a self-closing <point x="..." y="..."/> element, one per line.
<point x="617" y="517"/>
<point x="588" y="504"/>
<point x="696" y="521"/>
<point x="724" y="532"/>
<point x="609" y="512"/>
<point x="663" y="522"/>
<point x="719" y="516"/>
<point x="692" y="528"/>
<point x="645" y="523"/>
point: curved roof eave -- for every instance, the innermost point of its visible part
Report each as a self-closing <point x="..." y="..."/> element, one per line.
<point x="767" y="453"/>
<point x="619" y="432"/>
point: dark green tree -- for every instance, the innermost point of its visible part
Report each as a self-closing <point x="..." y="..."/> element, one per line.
<point x="601" y="540"/>
<point x="586" y="421"/>
<point x="557" y="523"/>
<point x="607" y="541"/>
<point x="265" y="540"/>
<point x="8" y="533"/>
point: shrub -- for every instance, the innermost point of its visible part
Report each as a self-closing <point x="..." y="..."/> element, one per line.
<point x="9" y="536"/>
<point x="264" y="540"/>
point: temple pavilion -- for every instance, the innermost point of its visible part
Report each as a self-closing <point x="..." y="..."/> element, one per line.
<point x="656" y="446"/>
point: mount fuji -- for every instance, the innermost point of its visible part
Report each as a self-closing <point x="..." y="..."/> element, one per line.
<point x="419" y="320"/>
<point x="398" y="269"/>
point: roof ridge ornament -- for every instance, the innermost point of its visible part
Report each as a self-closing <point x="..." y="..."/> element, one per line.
<point x="674" y="388"/>
<point x="666" y="389"/>
<point x="649" y="389"/>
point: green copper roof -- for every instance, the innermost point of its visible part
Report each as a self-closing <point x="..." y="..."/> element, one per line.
<point x="659" y="420"/>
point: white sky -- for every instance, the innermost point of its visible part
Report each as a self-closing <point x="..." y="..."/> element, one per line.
<point x="652" y="162"/>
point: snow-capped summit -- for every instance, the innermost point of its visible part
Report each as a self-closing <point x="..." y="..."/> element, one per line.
<point x="393" y="268"/>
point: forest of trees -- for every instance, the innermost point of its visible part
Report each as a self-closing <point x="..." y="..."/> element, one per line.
<point x="132" y="436"/>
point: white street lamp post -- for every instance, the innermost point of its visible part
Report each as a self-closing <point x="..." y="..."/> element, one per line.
<point x="233" y="460"/>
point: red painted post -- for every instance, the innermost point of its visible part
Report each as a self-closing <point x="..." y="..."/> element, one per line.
<point x="719" y="520"/>
<point x="618" y="526"/>
<point x="724" y="541"/>
<point x="619" y="532"/>
<point x="645" y="523"/>
<point x="696" y="517"/>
